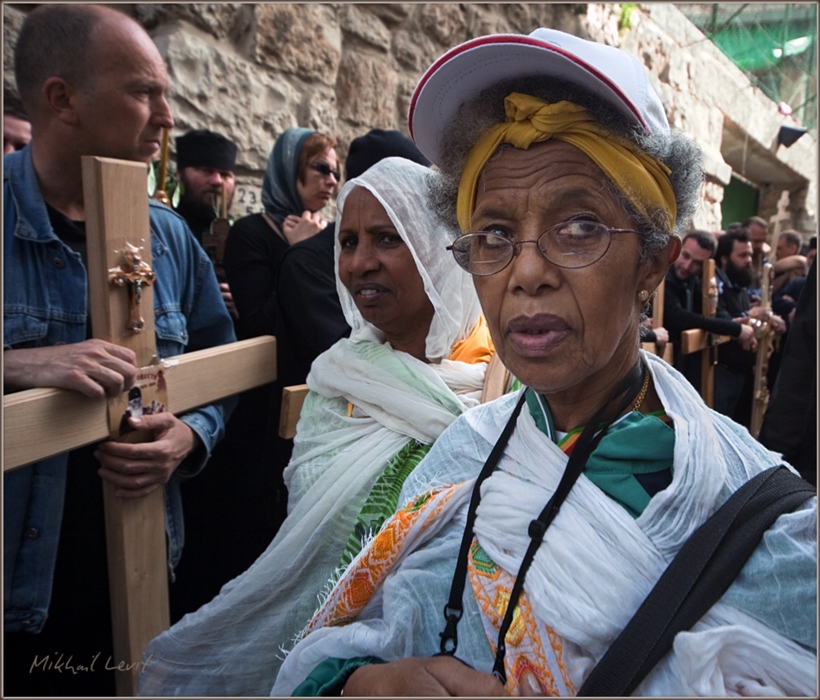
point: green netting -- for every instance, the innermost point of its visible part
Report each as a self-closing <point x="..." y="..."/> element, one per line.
<point x="774" y="44"/>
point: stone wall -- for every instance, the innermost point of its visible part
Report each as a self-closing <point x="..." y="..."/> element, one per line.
<point x="252" y="70"/>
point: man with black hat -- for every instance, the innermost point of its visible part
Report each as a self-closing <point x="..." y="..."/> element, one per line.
<point x="206" y="163"/>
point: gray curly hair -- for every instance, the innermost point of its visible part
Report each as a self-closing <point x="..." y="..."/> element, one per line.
<point x="678" y="153"/>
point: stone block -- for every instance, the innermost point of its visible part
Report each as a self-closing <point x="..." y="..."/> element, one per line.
<point x="12" y="21"/>
<point x="217" y="19"/>
<point x="366" y="90"/>
<point x="481" y="20"/>
<point x="365" y="27"/>
<point x="302" y="40"/>
<point x="520" y="18"/>
<point x="318" y="111"/>
<point x="446" y="23"/>
<point x="405" y="50"/>
<point x="212" y="88"/>
<point x="390" y="13"/>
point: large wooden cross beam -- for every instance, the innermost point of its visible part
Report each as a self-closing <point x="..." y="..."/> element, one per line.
<point x="765" y="347"/>
<point x="41" y="422"/>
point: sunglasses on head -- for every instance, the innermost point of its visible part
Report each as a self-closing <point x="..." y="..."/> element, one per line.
<point x="325" y="170"/>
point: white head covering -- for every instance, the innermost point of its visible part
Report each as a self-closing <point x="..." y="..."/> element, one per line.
<point x="396" y="184"/>
<point x="232" y="645"/>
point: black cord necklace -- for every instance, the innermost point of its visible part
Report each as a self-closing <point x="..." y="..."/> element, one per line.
<point x="591" y="435"/>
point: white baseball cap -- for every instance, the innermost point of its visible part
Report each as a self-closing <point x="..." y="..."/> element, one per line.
<point x="464" y="71"/>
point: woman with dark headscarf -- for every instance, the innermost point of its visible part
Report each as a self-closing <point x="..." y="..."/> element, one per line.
<point x="242" y="490"/>
<point x="300" y="177"/>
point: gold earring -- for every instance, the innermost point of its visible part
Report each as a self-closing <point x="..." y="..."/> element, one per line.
<point x="643" y="296"/>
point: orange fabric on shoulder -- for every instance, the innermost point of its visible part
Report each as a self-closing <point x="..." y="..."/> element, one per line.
<point x="476" y="347"/>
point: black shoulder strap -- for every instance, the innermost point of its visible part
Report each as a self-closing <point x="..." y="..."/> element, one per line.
<point x="696" y="578"/>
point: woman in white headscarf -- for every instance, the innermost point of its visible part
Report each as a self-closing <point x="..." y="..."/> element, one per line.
<point x="416" y="359"/>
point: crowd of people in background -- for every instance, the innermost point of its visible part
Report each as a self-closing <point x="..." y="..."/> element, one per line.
<point x="380" y="313"/>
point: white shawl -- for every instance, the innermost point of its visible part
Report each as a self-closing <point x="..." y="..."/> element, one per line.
<point x="233" y="645"/>
<point x="596" y="563"/>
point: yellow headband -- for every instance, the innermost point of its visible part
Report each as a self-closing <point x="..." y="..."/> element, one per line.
<point x="643" y="180"/>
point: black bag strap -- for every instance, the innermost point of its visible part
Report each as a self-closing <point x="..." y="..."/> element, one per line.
<point x="696" y="578"/>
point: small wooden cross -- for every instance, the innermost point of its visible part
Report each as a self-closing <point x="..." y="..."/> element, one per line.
<point x="765" y="347"/>
<point x="42" y="422"/>
<point x="215" y="238"/>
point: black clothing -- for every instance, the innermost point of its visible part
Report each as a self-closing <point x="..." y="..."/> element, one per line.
<point x="310" y="314"/>
<point x="733" y="301"/>
<point x="201" y="148"/>
<point x="253" y="256"/>
<point x="200" y="226"/>
<point x="196" y="222"/>
<point x="734" y="374"/>
<point x="782" y="307"/>
<point x="790" y="423"/>
<point x="683" y="311"/>
<point x="365" y="151"/>
<point x="234" y="508"/>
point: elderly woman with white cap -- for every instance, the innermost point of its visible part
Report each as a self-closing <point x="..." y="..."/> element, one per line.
<point x="541" y="521"/>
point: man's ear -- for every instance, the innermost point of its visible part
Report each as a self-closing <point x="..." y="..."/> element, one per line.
<point x="59" y="95"/>
<point x="656" y="267"/>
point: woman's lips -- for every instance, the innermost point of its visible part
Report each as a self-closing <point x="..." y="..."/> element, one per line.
<point x="534" y="335"/>
<point x="369" y="293"/>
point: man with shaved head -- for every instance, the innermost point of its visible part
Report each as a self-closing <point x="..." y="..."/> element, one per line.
<point x="93" y="83"/>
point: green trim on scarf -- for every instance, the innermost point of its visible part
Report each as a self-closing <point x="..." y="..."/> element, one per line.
<point x="636" y="444"/>
<point x="383" y="499"/>
<point x="386" y="360"/>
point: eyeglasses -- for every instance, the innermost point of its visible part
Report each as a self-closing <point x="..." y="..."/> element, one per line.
<point x="325" y="170"/>
<point x="571" y="245"/>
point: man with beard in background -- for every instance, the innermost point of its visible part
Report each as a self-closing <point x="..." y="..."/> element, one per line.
<point x="683" y="309"/>
<point x="734" y="373"/>
<point x="206" y="160"/>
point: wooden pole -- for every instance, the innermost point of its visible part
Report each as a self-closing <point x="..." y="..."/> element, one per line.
<point x="116" y="216"/>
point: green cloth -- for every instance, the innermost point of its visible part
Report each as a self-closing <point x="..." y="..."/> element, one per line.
<point x="633" y="460"/>
<point x="383" y="498"/>
<point x="330" y="676"/>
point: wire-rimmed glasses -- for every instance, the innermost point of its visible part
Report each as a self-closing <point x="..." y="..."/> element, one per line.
<point x="571" y="244"/>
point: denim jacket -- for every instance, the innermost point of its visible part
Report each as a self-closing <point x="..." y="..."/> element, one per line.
<point x="46" y="303"/>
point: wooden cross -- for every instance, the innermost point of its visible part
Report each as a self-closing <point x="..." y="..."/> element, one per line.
<point x="781" y="215"/>
<point x="215" y="238"/>
<point x="698" y="340"/>
<point x="42" y="422"/>
<point x="765" y="347"/>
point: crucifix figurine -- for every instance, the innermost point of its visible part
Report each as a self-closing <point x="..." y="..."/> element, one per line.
<point x="135" y="273"/>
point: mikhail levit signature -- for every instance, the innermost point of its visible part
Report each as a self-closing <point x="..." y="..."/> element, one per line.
<point x="66" y="664"/>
